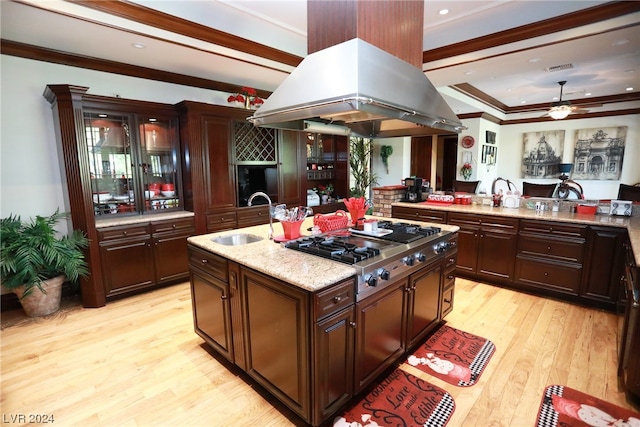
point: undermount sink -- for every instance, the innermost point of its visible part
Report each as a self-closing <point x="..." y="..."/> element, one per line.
<point x="237" y="239"/>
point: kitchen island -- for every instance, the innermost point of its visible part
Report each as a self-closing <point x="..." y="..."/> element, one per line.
<point x="293" y="323"/>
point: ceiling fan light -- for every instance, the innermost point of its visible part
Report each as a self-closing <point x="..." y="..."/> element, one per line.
<point x="559" y="112"/>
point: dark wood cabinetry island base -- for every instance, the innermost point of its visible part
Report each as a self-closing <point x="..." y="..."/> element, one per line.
<point x="292" y="321"/>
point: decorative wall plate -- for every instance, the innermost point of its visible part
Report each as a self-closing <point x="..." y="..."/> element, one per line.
<point x="468" y="141"/>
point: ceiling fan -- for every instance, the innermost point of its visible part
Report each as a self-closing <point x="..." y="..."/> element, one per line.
<point x="561" y="109"/>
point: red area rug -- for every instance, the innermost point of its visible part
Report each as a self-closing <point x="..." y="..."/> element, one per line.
<point x="401" y="400"/>
<point x="454" y="356"/>
<point x="566" y="407"/>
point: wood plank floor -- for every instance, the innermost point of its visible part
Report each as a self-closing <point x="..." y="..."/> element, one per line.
<point x="137" y="362"/>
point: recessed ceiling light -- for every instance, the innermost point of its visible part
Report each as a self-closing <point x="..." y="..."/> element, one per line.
<point x="102" y="115"/>
<point x="443" y="11"/>
<point x="138" y="45"/>
<point x="629" y="88"/>
<point x="153" y="120"/>
<point x="468" y="73"/>
<point x="535" y="60"/>
<point x="587" y="94"/>
<point x="554" y="98"/>
<point x="620" y="42"/>
<point x="523" y="102"/>
<point x="630" y="71"/>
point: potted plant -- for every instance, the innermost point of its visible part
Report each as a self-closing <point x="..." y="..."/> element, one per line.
<point x="35" y="261"/>
<point x="385" y="152"/>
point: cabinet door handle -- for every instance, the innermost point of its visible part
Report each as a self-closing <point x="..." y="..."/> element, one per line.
<point x="548" y="248"/>
<point x="352" y="324"/>
<point x="546" y="273"/>
<point x="124" y="233"/>
<point x="451" y="276"/>
<point x="223" y="297"/>
<point x="336" y="299"/>
<point x="173" y="226"/>
<point x="448" y="301"/>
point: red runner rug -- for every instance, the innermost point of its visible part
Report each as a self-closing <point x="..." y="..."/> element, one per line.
<point x="454" y="356"/>
<point x="401" y="400"/>
<point x="566" y="407"/>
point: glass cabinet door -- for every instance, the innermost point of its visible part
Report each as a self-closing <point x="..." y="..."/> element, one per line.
<point x="158" y="151"/>
<point x="132" y="172"/>
<point x="110" y="162"/>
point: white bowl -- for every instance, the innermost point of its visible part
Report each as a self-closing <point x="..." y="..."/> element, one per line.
<point x="168" y="193"/>
<point x="149" y="194"/>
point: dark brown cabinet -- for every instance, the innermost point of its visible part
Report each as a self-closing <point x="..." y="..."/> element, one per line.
<point x="629" y="349"/>
<point x="144" y="255"/>
<point x="550" y="256"/>
<point x="415" y="214"/>
<point x="604" y="265"/>
<point x="114" y="152"/>
<point x="277" y="338"/>
<point x="484" y="244"/>
<point x="210" y="297"/>
<point x="423" y="304"/>
<point x="127" y="258"/>
<point x="380" y="331"/>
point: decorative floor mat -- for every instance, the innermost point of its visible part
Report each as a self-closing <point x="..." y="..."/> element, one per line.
<point x="401" y="400"/>
<point x="566" y="407"/>
<point x="454" y="356"/>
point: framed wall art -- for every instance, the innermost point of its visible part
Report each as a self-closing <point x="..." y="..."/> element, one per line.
<point x="491" y="137"/>
<point x="542" y="153"/>
<point x="598" y="153"/>
<point x="489" y="154"/>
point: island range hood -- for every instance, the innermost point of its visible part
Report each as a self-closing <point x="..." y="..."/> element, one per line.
<point x="362" y="89"/>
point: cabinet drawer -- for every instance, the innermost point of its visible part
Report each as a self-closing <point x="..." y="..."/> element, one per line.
<point x="450" y="262"/>
<point x="181" y="225"/>
<point x="419" y="214"/>
<point x="334" y="299"/>
<point x="447" y="301"/>
<point x="221" y="221"/>
<point x="556" y="277"/>
<point x="124" y="232"/>
<point x="564" y="250"/>
<point x="248" y="217"/>
<point x="208" y="262"/>
<point x="553" y="228"/>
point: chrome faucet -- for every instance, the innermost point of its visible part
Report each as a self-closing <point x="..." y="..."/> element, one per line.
<point x="266" y="196"/>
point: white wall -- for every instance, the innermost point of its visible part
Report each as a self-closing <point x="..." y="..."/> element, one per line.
<point x="399" y="161"/>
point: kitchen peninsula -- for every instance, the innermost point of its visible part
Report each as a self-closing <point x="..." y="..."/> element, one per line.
<point x="297" y="323"/>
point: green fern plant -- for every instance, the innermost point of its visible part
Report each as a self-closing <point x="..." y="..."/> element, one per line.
<point x="32" y="252"/>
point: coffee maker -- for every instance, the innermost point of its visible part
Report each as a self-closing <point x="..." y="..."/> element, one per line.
<point x="414" y="189"/>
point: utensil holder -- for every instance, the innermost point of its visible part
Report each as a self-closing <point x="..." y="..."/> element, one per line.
<point x="291" y="229"/>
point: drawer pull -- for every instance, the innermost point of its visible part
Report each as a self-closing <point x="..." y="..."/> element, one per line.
<point x="448" y="301"/>
<point x="173" y="226"/>
<point x="548" y="248"/>
<point x="204" y="261"/>
<point x="336" y="299"/>
<point x="546" y="273"/>
<point x="124" y="233"/>
<point x="451" y="276"/>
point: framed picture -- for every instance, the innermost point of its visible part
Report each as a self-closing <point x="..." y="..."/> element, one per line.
<point x="491" y="137"/>
<point x="489" y="154"/>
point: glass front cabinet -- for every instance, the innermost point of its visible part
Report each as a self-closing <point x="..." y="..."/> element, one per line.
<point x="133" y="162"/>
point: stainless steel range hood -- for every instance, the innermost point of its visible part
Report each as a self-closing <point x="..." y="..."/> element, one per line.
<point x="359" y="86"/>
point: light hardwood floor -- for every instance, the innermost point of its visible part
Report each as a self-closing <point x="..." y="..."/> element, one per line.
<point x="137" y="362"/>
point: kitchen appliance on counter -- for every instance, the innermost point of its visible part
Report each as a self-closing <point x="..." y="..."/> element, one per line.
<point x="414" y="190"/>
<point x="380" y="257"/>
<point x="312" y="198"/>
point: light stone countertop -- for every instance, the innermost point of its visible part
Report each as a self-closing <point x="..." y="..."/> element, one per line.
<point x="137" y="219"/>
<point x="632" y="224"/>
<point x="306" y="271"/>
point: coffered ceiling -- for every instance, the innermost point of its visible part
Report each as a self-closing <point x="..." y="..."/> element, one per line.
<point x="502" y="58"/>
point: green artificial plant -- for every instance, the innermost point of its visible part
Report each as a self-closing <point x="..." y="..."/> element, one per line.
<point x="385" y="152"/>
<point x="31" y="252"/>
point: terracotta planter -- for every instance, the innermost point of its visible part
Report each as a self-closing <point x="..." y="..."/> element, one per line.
<point x="40" y="304"/>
